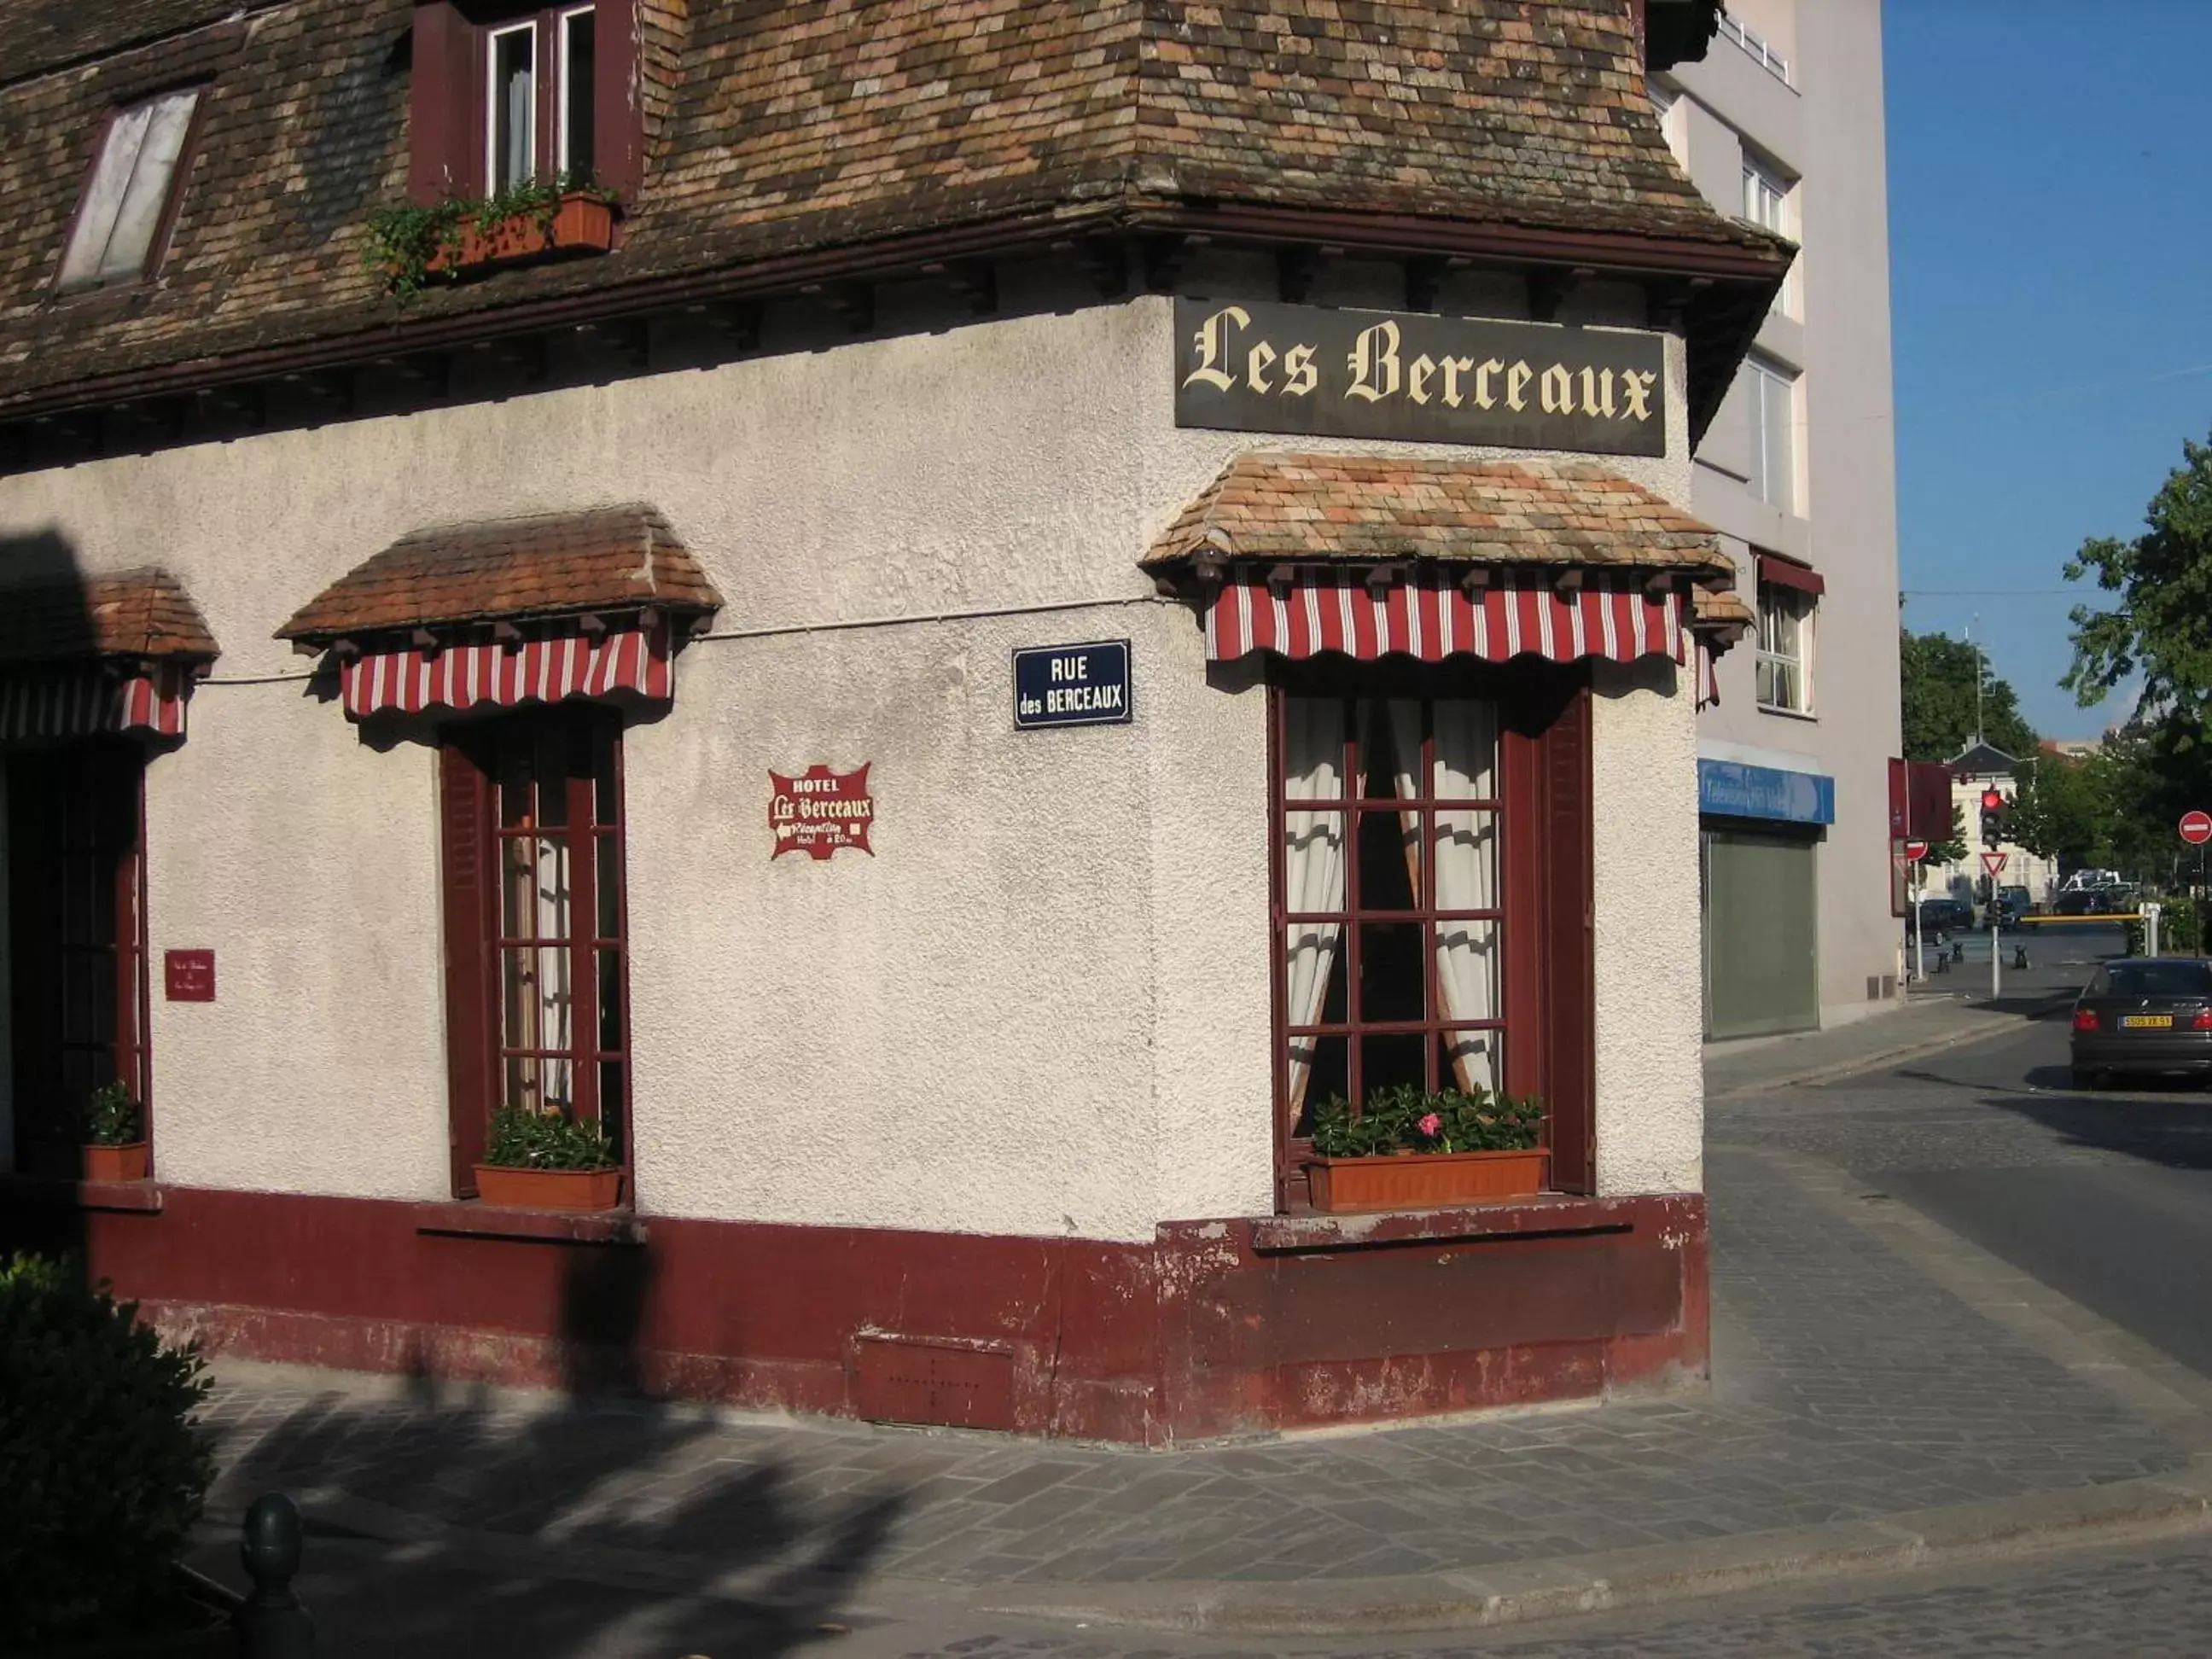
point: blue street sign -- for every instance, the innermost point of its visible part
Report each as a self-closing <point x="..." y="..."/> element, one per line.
<point x="1073" y="684"/>
<point x="1732" y="789"/>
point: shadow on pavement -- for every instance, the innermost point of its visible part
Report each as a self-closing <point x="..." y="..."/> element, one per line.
<point x="440" y="1523"/>
<point x="2168" y="1124"/>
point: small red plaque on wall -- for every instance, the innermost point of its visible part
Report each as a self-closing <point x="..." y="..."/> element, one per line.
<point x="818" y="811"/>
<point x="188" y="975"/>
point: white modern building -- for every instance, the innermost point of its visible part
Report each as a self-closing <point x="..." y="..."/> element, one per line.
<point x="1781" y="125"/>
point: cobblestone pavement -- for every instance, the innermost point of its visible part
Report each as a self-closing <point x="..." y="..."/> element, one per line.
<point x="2135" y="1601"/>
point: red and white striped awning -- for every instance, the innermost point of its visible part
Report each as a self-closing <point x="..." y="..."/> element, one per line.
<point x="635" y="661"/>
<point x="86" y="700"/>
<point x="1427" y="613"/>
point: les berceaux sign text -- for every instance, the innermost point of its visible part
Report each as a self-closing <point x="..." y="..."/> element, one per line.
<point x="1260" y="367"/>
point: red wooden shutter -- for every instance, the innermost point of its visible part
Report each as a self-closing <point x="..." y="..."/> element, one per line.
<point x="1569" y="970"/>
<point x="445" y="149"/>
<point x="471" y="897"/>
<point x="619" y="97"/>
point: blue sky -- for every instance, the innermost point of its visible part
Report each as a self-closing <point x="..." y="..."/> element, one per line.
<point x="2051" y="244"/>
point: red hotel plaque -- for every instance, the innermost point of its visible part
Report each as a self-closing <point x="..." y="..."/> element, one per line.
<point x="820" y="811"/>
<point x="188" y="975"/>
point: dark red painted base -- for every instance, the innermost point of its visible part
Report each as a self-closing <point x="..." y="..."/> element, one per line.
<point x="1215" y="1327"/>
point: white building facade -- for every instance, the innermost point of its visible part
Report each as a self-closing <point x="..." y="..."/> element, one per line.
<point x="1781" y="125"/>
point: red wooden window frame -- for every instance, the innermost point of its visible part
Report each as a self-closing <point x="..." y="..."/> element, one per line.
<point x="494" y="776"/>
<point x="1544" y="880"/>
<point x="447" y="118"/>
<point x="76" y="875"/>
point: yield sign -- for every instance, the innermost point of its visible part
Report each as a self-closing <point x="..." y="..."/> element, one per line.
<point x="2197" y="827"/>
<point x="1914" y="851"/>
<point x="1993" y="864"/>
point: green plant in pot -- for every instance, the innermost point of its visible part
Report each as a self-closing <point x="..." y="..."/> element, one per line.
<point x="1410" y="1148"/>
<point x="114" y="1136"/>
<point x="538" y="1159"/>
<point x="411" y="245"/>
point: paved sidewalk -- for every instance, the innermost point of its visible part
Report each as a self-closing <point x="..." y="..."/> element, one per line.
<point x="1870" y="1411"/>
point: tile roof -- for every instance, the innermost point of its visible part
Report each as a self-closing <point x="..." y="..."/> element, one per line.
<point x="1722" y="613"/>
<point x="133" y="613"/>
<point x="1318" y="508"/>
<point x="617" y="558"/>
<point x="784" y="126"/>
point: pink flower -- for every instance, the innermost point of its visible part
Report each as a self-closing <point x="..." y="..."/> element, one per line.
<point x="1430" y="1126"/>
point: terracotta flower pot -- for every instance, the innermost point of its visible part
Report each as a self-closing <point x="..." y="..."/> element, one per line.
<point x="582" y="224"/>
<point x="128" y="1162"/>
<point x="1424" y="1181"/>
<point x="549" y="1189"/>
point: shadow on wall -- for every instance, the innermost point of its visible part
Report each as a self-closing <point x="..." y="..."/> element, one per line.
<point x="447" y="1523"/>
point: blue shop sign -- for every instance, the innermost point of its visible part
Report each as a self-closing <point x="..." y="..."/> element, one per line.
<point x="1071" y="684"/>
<point x="1730" y="789"/>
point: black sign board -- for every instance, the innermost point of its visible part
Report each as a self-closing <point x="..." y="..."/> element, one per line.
<point x="1260" y="367"/>
<point x="1071" y="684"/>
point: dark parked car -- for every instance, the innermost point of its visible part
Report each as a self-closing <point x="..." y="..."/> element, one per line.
<point x="2143" y="1014"/>
<point x="1946" y="915"/>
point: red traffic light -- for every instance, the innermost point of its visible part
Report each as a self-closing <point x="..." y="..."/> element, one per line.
<point x="1992" y="800"/>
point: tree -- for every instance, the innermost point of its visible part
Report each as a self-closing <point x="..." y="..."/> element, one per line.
<point x="2160" y="630"/>
<point x="2061" y="809"/>
<point x="1937" y="675"/>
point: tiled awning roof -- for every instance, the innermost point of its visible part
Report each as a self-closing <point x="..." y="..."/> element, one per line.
<point x="1337" y="509"/>
<point x="143" y="614"/>
<point x="1723" y="615"/>
<point x="615" y="560"/>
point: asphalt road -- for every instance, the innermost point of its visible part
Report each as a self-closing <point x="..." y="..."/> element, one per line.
<point x="2106" y="1196"/>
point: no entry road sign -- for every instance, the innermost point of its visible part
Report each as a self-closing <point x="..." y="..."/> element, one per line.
<point x="1993" y="864"/>
<point x="1914" y="851"/>
<point x="2197" y="827"/>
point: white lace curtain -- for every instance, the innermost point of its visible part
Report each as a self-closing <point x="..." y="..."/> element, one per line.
<point x="1465" y="734"/>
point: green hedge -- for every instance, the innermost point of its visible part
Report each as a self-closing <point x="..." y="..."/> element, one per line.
<point x="2180" y="929"/>
<point x="102" y="1471"/>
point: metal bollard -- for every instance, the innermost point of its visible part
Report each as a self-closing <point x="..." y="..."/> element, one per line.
<point x="2020" y="956"/>
<point x="273" y="1624"/>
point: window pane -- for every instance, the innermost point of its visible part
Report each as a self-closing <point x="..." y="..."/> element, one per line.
<point x="606" y="807"/>
<point x="610" y="978"/>
<point x="1320" y="1069"/>
<point x="516" y="807"/>
<point x="553" y="765"/>
<point x="1471" y="1060"/>
<point x="611" y="1097"/>
<point x="103" y="197"/>
<point x="1390" y="860"/>
<point x="1392" y="975"/>
<point x="607" y="880"/>
<point x="513" y="94"/>
<point x="1465" y="750"/>
<point x="1313" y="862"/>
<point x="1313" y="748"/>
<point x="578" y="73"/>
<point x="1315" y="984"/>
<point x="1388" y="1062"/>
<point x="1468" y="979"/>
<point x="148" y="193"/>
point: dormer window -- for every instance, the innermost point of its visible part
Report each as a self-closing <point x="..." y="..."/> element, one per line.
<point x="126" y="205"/>
<point x="505" y="96"/>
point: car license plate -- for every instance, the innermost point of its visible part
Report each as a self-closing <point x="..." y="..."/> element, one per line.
<point x="2145" y="1021"/>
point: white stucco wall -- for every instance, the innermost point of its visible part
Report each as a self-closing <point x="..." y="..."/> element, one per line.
<point x="1041" y="1007"/>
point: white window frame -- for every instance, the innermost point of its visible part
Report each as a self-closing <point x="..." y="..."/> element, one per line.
<point x="1783" y="675"/>
<point x="563" y="112"/>
<point x="495" y="104"/>
<point x="129" y="192"/>
<point x="1769" y="201"/>
<point x="1772" y="472"/>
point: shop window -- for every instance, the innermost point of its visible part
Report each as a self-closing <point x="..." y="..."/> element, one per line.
<point x="537" y="970"/>
<point x="524" y="94"/>
<point x="77" y="877"/>
<point x="126" y="201"/>
<point x="1784" y="669"/>
<point x="1769" y="202"/>
<point x="1429" y="850"/>
<point x="1771" y="396"/>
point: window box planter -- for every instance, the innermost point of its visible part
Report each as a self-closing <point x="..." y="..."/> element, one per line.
<point x="582" y="223"/>
<point x="128" y="1162"/>
<point x="548" y="1189"/>
<point x="1424" y="1181"/>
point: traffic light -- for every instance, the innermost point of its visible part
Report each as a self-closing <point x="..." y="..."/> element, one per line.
<point x="1993" y="806"/>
